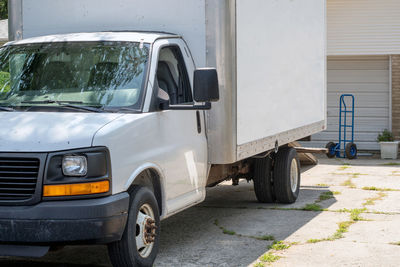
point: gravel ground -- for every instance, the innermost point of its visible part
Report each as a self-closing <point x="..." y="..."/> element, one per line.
<point x="370" y="235"/>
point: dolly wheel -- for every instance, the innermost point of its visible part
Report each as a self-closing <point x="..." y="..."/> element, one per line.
<point x="351" y="151"/>
<point x="331" y="146"/>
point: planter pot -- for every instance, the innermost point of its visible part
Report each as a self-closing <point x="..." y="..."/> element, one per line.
<point x="389" y="150"/>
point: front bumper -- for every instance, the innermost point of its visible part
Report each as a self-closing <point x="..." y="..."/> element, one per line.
<point x="87" y="221"/>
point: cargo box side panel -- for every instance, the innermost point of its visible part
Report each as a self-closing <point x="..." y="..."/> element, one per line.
<point x="281" y="76"/>
<point x="183" y="17"/>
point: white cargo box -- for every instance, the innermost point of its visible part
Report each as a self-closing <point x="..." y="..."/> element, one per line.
<point x="270" y="57"/>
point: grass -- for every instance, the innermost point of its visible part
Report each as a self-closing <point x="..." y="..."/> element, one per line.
<point x="349" y="183"/>
<point x="278" y="245"/>
<point x="355" y="214"/>
<point x="312" y="207"/>
<point x="264" y="237"/>
<point x="327" y="195"/>
<point x="342" y="168"/>
<point x="312" y="241"/>
<point x="395" y="243"/>
<point x="391" y="164"/>
<point x="269" y="257"/>
<point x="343" y="227"/>
<point x="371" y="201"/>
<point x="322" y="185"/>
<point x="259" y="264"/>
<point x="373" y="188"/>
<point x="230" y="232"/>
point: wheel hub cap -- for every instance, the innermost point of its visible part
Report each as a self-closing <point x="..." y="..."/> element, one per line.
<point x="294" y="175"/>
<point x="145" y="230"/>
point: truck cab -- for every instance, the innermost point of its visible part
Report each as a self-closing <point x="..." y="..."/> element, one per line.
<point x="88" y="119"/>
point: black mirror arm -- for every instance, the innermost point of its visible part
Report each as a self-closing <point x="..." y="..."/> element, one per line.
<point x="206" y="106"/>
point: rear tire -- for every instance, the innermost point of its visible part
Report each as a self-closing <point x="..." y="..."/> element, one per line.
<point x="351" y="151"/>
<point x="143" y="215"/>
<point x="287" y="175"/>
<point x="263" y="180"/>
<point x="331" y="146"/>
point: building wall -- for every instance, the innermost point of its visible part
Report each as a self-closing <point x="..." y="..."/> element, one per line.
<point x="396" y="96"/>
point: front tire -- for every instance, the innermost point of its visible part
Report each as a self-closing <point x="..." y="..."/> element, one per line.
<point x="287" y="175"/>
<point x="263" y="180"/>
<point x="141" y="238"/>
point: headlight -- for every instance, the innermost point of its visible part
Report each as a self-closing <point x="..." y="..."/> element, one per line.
<point x="74" y="166"/>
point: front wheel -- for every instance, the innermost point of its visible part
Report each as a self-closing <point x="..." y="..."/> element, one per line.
<point x="141" y="238"/>
<point x="287" y="175"/>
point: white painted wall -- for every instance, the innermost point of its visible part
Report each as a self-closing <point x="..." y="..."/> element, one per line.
<point x="363" y="27"/>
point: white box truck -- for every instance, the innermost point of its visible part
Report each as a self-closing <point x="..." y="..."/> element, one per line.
<point x="107" y="125"/>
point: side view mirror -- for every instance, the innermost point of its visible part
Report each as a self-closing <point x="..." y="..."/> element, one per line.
<point x="206" y="87"/>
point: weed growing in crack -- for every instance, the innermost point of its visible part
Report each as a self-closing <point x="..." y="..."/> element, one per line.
<point x="269" y="257"/>
<point x="312" y="207"/>
<point x="327" y="195"/>
<point x="373" y="188"/>
<point x="349" y="183"/>
<point x="278" y="245"/>
<point x="391" y="164"/>
<point x="371" y="201"/>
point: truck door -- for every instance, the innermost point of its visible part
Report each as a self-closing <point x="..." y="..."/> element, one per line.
<point x="185" y="169"/>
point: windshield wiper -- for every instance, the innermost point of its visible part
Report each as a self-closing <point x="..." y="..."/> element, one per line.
<point x="68" y="104"/>
<point x="9" y="109"/>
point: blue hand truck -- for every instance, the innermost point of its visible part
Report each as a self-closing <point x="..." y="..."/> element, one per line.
<point x="346" y="147"/>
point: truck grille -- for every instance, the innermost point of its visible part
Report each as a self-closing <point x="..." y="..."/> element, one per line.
<point x="18" y="178"/>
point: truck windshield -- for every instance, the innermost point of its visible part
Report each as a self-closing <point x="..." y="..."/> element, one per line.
<point x="104" y="75"/>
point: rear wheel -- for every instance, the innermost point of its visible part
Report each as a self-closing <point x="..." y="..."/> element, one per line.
<point x="351" y="151"/>
<point x="263" y="180"/>
<point x="331" y="146"/>
<point x="140" y="241"/>
<point x="287" y="175"/>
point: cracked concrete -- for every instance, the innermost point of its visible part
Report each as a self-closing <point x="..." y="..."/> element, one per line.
<point x="192" y="239"/>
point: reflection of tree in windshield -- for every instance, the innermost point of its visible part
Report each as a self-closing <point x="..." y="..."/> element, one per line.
<point x="106" y="74"/>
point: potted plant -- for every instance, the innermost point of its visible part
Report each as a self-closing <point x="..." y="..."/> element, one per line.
<point x="389" y="147"/>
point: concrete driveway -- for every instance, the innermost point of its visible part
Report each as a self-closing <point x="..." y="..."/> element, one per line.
<point x="348" y="214"/>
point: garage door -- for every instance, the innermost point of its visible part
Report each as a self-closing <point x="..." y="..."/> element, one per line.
<point x="368" y="79"/>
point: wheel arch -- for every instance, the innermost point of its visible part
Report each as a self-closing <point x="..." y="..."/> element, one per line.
<point x="151" y="176"/>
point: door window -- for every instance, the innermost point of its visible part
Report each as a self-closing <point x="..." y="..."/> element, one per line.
<point x="172" y="76"/>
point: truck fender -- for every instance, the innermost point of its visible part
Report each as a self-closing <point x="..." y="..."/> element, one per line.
<point x="154" y="168"/>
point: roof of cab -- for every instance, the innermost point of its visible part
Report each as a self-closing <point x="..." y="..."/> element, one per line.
<point x="122" y="36"/>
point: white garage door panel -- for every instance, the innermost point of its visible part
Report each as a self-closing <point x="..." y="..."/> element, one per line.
<point x="362" y="124"/>
<point x="357" y="76"/>
<point x="361" y="87"/>
<point x="362" y="100"/>
<point x="358" y="64"/>
<point x="363" y="137"/>
<point x="367" y="77"/>
<point x="363" y="112"/>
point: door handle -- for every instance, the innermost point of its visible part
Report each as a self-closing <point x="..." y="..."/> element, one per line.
<point x="198" y="121"/>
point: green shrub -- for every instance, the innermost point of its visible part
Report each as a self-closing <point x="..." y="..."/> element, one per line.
<point x="385" y="136"/>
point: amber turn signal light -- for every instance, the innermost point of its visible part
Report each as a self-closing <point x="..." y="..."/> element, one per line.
<point x="76" y="189"/>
